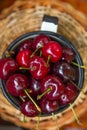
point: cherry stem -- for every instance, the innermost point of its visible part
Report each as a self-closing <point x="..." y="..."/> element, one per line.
<point x="75" y="115"/>
<point x="24" y="68"/>
<point x="48" y="59"/>
<point x="76" y="86"/>
<point x="55" y="118"/>
<point x="40" y="53"/>
<point x="38" y="120"/>
<point x="24" y="118"/>
<point x="35" y="51"/>
<point x="40" y="96"/>
<point x="22" y="98"/>
<point x="38" y="108"/>
<point x="9" y="53"/>
<point x="81" y="66"/>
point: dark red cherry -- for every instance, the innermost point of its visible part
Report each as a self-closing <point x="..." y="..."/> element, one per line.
<point x="40" y="40"/>
<point x="56" y="85"/>
<point x="64" y="70"/>
<point x="68" y="54"/>
<point x="28" y="109"/>
<point x="69" y="95"/>
<point x="7" y="67"/>
<point x="53" y="50"/>
<point x="38" y="67"/>
<point x="23" y="57"/>
<point x="48" y="106"/>
<point x="27" y="44"/>
<point x="16" y="84"/>
<point x="35" y="87"/>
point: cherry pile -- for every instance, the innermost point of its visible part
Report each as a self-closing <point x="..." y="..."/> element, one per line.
<point x="41" y="75"/>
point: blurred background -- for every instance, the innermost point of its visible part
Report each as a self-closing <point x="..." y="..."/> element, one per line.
<point x="80" y="5"/>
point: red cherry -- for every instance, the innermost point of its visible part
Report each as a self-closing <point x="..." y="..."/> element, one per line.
<point x="69" y="95"/>
<point x="7" y="67"/>
<point x="38" y="67"/>
<point x="35" y="87"/>
<point x="64" y="70"/>
<point x="55" y="84"/>
<point x="16" y="84"/>
<point x="29" y="109"/>
<point x="52" y="49"/>
<point x="68" y="54"/>
<point x="48" y="106"/>
<point x="23" y="57"/>
<point x="40" y="40"/>
<point x="27" y="44"/>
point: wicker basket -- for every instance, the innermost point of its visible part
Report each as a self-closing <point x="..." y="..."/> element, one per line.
<point x="26" y="16"/>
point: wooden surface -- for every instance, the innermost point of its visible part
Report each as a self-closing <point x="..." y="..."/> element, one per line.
<point x="82" y="6"/>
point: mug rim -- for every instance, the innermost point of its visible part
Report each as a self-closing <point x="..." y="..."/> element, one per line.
<point x="59" y="38"/>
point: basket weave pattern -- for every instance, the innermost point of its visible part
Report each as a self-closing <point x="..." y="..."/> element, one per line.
<point x="26" y="16"/>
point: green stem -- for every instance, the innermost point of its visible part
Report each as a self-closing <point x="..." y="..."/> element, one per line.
<point x="75" y="85"/>
<point x="35" y="51"/>
<point x="81" y="66"/>
<point x="75" y="115"/>
<point x="38" y="108"/>
<point x="24" y="118"/>
<point x="9" y="53"/>
<point x="37" y="125"/>
<point x="24" y="68"/>
<point x="40" y="96"/>
<point x="40" y="53"/>
<point x="55" y="118"/>
<point x="48" y="59"/>
<point x="22" y="98"/>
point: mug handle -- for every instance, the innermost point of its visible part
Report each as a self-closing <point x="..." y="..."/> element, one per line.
<point x="49" y="23"/>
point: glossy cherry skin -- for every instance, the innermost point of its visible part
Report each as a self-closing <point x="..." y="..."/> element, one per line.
<point x="23" y="57"/>
<point x="7" y="67"/>
<point x="52" y="49"/>
<point x="64" y="70"/>
<point x="68" y="54"/>
<point x="27" y="44"/>
<point x="16" y="84"/>
<point x="28" y="109"/>
<point x="56" y="85"/>
<point x="48" y="106"/>
<point x="40" y="40"/>
<point x="35" y="87"/>
<point x="38" y="67"/>
<point x="69" y="95"/>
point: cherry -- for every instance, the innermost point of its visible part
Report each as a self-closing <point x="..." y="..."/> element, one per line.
<point x="53" y="50"/>
<point x="29" y="109"/>
<point x="7" y="67"/>
<point x="69" y="95"/>
<point x="68" y="54"/>
<point x="16" y="84"/>
<point x="64" y="70"/>
<point x="23" y="57"/>
<point x="40" y="40"/>
<point x="35" y="87"/>
<point x="48" y="106"/>
<point x="25" y="45"/>
<point x="56" y="85"/>
<point x="38" y="67"/>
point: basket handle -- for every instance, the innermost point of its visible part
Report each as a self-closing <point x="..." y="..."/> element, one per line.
<point x="49" y="23"/>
